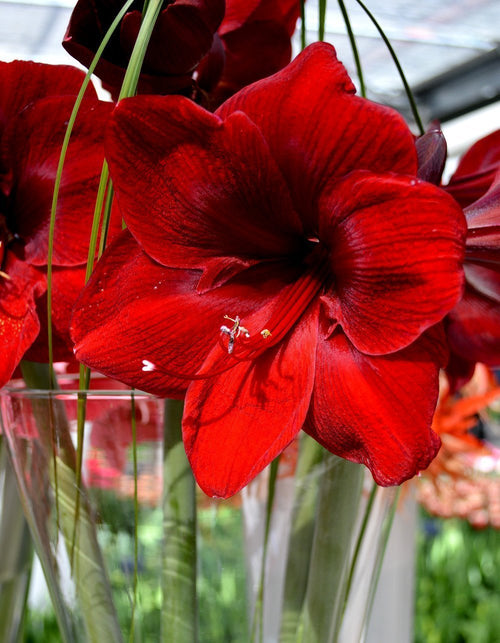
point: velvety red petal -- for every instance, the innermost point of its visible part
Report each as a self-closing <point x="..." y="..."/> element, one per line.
<point x="377" y="410"/>
<point x="238" y="13"/>
<point x="133" y="309"/>
<point x="67" y="284"/>
<point x="203" y="189"/>
<point x="33" y="145"/>
<point x="24" y="82"/>
<point x="318" y="131"/>
<point x="476" y="170"/>
<point x="473" y="327"/>
<point x="182" y="35"/>
<point x="235" y="424"/>
<point x="396" y="253"/>
<point x="19" y="323"/>
<point x="252" y="52"/>
<point x="483" y="221"/>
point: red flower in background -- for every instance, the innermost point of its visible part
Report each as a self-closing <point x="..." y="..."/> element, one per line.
<point x="182" y="36"/>
<point x="473" y="326"/>
<point x="285" y="275"/>
<point x="191" y="51"/>
<point x="35" y="105"/>
<point x="254" y="42"/>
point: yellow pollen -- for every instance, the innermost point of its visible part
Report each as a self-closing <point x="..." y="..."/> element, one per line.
<point x="4" y="275"/>
<point x="265" y="333"/>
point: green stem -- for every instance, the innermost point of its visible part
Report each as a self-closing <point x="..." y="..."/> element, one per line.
<point x="339" y="498"/>
<point x="302" y="24"/>
<point x="60" y="166"/>
<point x="88" y="569"/>
<point x="386" y="532"/>
<point x="354" y="47"/>
<point x="258" y="620"/>
<point x="179" y="609"/>
<point x="409" y="93"/>
<point x="301" y="535"/>
<point x="359" y="542"/>
<point x="151" y="13"/>
<point x="136" y="516"/>
<point x="17" y="554"/>
<point x="322" y="19"/>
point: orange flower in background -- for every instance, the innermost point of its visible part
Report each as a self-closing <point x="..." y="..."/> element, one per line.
<point x="463" y="481"/>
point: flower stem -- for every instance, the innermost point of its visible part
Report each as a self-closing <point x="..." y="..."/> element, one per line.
<point x="87" y="564"/>
<point x="17" y="554"/>
<point x="179" y="609"/>
<point x="301" y="537"/>
<point x="339" y="497"/>
<point x="409" y="93"/>
<point x="354" y="47"/>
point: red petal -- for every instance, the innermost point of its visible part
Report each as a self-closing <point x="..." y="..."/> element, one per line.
<point x="397" y="248"/>
<point x="24" y="82"/>
<point x="182" y="35"/>
<point x="235" y="424"/>
<point x="67" y="284"/>
<point x="134" y="309"/>
<point x="377" y="410"/>
<point x="473" y="327"/>
<point x="476" y="170"/>
<point x="19" y="323"/>
<point x="318" y="131"/>
<point x="252" y="52"/>
<point x="210" y="189"/>
<point x="33" y="145"/>
<point x="483" y="220"/>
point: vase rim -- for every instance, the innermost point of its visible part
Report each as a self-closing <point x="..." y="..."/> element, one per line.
<point x="19" y="388"/>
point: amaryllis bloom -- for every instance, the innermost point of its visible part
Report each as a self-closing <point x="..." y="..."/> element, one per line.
<point x="182" y="36"/>
<point x="255" y="42"/>
<point x="35" y="104"/>
<point x="473" y="326"/>
<point x="283" y="268"/>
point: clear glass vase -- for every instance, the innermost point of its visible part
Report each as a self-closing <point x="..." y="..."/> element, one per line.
<point x="99" y="534"/>
<point x="93" y="468"/>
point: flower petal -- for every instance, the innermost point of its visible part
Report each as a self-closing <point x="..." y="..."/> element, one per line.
<point x="24" y="82"/>
<point x="473" y="326"/>
<point x="33" y="145"/>
<point x="66" y="286"/>
<point x="318" y="131"/>
<point x="377" y="410"/>
<point x="476" y="170"/>
<point x="19" y="323"/>
<point x="210" y="188"/>
<point x="135" y="310"/>
<point x="397" y="248"/>
<point x="236" y="423"/>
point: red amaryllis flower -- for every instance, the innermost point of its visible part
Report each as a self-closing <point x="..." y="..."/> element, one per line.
<point x="281" y="268"/>
<point x="254" y="43"/>
<point x="476" y="171"/>
<point x="35" y="105"/>
<point x="183" y="34"/>
<point x="473" y="326"/>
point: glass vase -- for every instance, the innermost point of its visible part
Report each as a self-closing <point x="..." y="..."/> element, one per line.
<point x="274" y="563"/>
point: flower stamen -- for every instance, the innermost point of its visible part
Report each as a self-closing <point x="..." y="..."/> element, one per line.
<point x="234" y="332"/>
